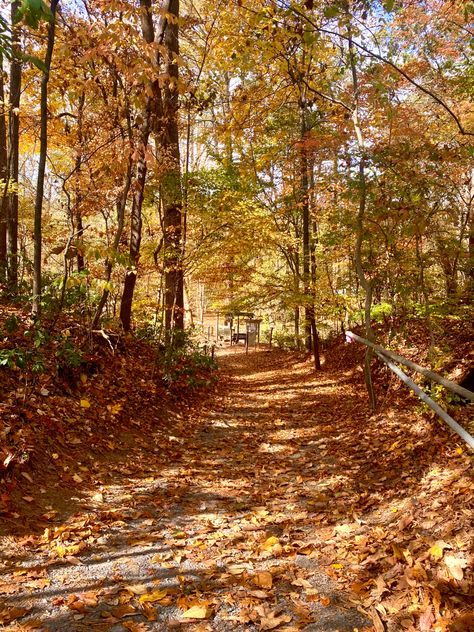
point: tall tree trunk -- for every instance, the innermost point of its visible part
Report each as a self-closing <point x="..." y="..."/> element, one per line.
<point x="365" y="282"/>
<point x="173" y="212"/>
<point x="135" y="226"/>
<point x="304" y="194"/>
<point x="149" y="110"/>
<point x="3" y="176"/>
<point x="36" y="307"/>
<point x="78" y="198"/>
<point x="13" y="151"/>
<point x="121" y="206"/>
<point x="314" y="329"/>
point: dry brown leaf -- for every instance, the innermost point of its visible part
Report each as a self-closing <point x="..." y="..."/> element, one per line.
<point x="376" y="620"/>
<point x="123" y="610"/>
<point x="7" y="615"/>
<point x="263" y="579"/>
<point x="133" y="626"/>
<point x="271" y="620"/>
<point x="426" y="620"/>
<point x="455" y="566"/>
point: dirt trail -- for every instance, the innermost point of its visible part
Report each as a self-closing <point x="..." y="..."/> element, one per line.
<point x="240" y="524"/>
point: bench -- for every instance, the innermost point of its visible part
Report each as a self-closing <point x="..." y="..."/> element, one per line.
<point x="238" y="337"/>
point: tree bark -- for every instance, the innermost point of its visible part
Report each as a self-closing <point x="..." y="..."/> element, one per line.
<point x="77" y="202"/>
<point x="13" y="154"/>
<point x="36" y="307"/>
<point x="149" y="109"/>
<point x="304" y="195"/>
<point x="135" y="226"/>
<point x="3" y="176"/>
<point x="366" y="283"/>
<point x="173" y="212"/>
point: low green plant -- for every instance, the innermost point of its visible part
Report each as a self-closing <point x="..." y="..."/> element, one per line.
<point x="67" y="354"/>
<point x="284" y="339"/>
<point x="23" y="359"/>
<point x="185" y="364"/>
<point x="12" y="324"/>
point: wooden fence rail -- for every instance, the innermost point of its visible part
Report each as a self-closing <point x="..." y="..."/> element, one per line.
<point x="387" y="356"/>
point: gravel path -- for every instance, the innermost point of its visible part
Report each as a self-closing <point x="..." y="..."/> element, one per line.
<point x="228" y="528"/>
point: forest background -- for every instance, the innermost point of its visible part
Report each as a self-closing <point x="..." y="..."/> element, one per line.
<point x="311" y="162"/>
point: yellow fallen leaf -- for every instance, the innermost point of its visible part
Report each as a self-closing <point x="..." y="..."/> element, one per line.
<point x="77" y="478"/>
<point x="73" y="549"/>
<point x="437" y="550"/>
<point x="85" y="403"/>
<point x="337" y="566"/>
<point x="179" y="535"/>
<point x="270" y="543"/>
<point x="197" y="612"/>
<point x="263" y="579"/>
<point x="157" y="595"/>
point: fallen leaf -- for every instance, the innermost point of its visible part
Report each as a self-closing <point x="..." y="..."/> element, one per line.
<point x="455" y="566"/>
<point x="263" y="579"/>
<point x="427" y="620"/>
<point x="271" y="620"/>
<point x="132" y="626"/>
<point x="157" y="595"/>
<point x="437" y="550"/>
<point x="197" y="612"/>
<point x="376" y="620"/>
<point x="7" y="615"/>
<point x="85" y="403"/>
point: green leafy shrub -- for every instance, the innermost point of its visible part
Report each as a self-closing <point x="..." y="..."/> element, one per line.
<point x="23" y="359"/>
<point x="185" y="365"/>
<point x="284" y="339"/>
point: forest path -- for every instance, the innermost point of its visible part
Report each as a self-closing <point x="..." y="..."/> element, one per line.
<point x="249" y="518"/>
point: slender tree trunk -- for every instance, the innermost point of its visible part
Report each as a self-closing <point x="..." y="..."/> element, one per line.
<point x="151" y="104"/>
<point x="77" y="202"/>
<point x="135" y="227"/>
<point x="304" y="193"/>
<point x="42" y="163"/>
<point x="13" y="158"/>
<point x="173" y="212"/>
<point x="470" y="267"/>
<point x="3" y="176"/>
<point x="121" y="206"/>
<point x="366" y="284"/>
<point x="314" y="329"/>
